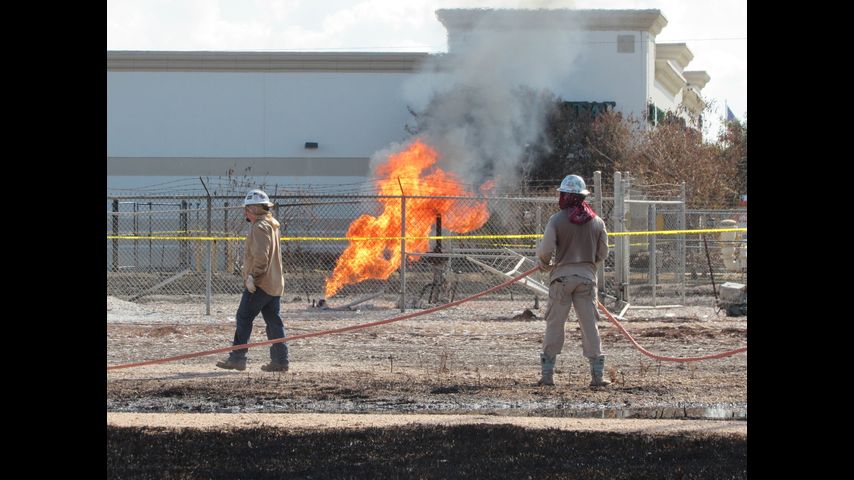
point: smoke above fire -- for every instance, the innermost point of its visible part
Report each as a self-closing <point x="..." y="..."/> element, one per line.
<point x="483" y="105"/>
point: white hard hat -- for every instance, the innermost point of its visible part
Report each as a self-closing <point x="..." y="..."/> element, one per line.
<point x="573" y="184"/>
<point x="256" y="197"/>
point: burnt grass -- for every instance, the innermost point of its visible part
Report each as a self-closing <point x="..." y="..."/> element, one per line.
<point x="439" y="366"/>
<point x="466" y="451"/>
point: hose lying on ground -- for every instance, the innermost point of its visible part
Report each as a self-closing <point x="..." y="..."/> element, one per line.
<point x="406" y="317"/>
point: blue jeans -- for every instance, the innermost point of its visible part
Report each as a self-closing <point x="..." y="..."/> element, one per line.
<point x="250" y="305"/>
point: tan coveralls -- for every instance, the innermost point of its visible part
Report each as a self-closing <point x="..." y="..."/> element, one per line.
<point x="578" y="250"/>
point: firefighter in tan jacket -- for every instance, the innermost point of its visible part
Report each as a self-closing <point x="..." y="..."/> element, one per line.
<point x="577" y="238"/>
<point x="262" y="277"/>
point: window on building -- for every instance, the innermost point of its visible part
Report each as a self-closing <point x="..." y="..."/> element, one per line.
<point x="625" y="44"/>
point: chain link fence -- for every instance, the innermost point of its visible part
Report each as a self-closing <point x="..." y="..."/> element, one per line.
<point x="677" y="265"/>
<point x="160" y="245"/>
<point x="723" y="256"/>
<point x="193" y="245"/>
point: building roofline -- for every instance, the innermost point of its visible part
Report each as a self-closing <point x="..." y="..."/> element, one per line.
<point x="697" y="78"/>
<point x="390" y="62"/>
<point x="651" y="21"/>
<point x="678" y="52"/>
<point x="669" y="77"/>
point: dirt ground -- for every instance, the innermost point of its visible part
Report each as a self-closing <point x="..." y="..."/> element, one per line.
<point x="448" y="378"/>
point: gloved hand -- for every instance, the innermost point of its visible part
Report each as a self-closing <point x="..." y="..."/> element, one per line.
<point x="250" y="284"/>
<point x="545" y="267"/>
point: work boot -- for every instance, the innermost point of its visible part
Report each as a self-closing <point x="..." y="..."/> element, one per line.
<point x="275" y="367"/>
<point x="597" y="371"/>
<point x="233" y="364"/>
<point x="548" y="364"/>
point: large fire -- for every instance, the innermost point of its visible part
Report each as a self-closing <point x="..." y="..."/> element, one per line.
<point x="414" y="169"/>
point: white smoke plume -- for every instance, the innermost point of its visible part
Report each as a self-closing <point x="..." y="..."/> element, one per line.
<point x="482" y="104"/>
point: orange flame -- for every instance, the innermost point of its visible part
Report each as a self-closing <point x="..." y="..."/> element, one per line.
<point x="414" y="167"/>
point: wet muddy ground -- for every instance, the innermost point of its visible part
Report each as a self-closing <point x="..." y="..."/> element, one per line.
<point x="472" y="359"/>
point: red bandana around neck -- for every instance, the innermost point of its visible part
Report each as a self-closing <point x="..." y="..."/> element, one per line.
<point x="578" y="210"/>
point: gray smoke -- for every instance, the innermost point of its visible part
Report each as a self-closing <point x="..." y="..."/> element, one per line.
<point x="482" y="104"/>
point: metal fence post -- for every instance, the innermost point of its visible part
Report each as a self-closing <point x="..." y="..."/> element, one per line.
<point x="209" y="263"/>
<point x="197" y="246"/>
<point x="619" y="208"/>
<point x="150" y="257"/>
<point x="136" y="234"/>
<point x="227" y="267"/>
<point x="627" y="240"/>
<point x="651" y="245"/>
<point x="115" y="266"/>
<point x="184" y="250"/>
<point x="402" y="253"/>
<point x="598" y="201"/>
<point x="681" y="244"/>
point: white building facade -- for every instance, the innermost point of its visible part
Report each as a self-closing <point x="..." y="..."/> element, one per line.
<point x="316" y="118"/>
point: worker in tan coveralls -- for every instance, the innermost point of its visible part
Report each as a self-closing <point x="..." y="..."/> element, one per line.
<point x="577" y="238"/>
<point x="262" y="277"/>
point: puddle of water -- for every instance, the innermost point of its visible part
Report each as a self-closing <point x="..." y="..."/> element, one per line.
<point x="699" y="413"/>
<point x="403" y="405"/>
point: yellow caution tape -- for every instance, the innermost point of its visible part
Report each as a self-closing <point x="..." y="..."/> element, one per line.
<point x="679" y="232"/>
<point x="431" y="237"/>
<point x="160" y="237"/>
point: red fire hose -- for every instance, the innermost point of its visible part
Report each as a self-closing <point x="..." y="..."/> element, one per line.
<point x="412" y="315"/>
